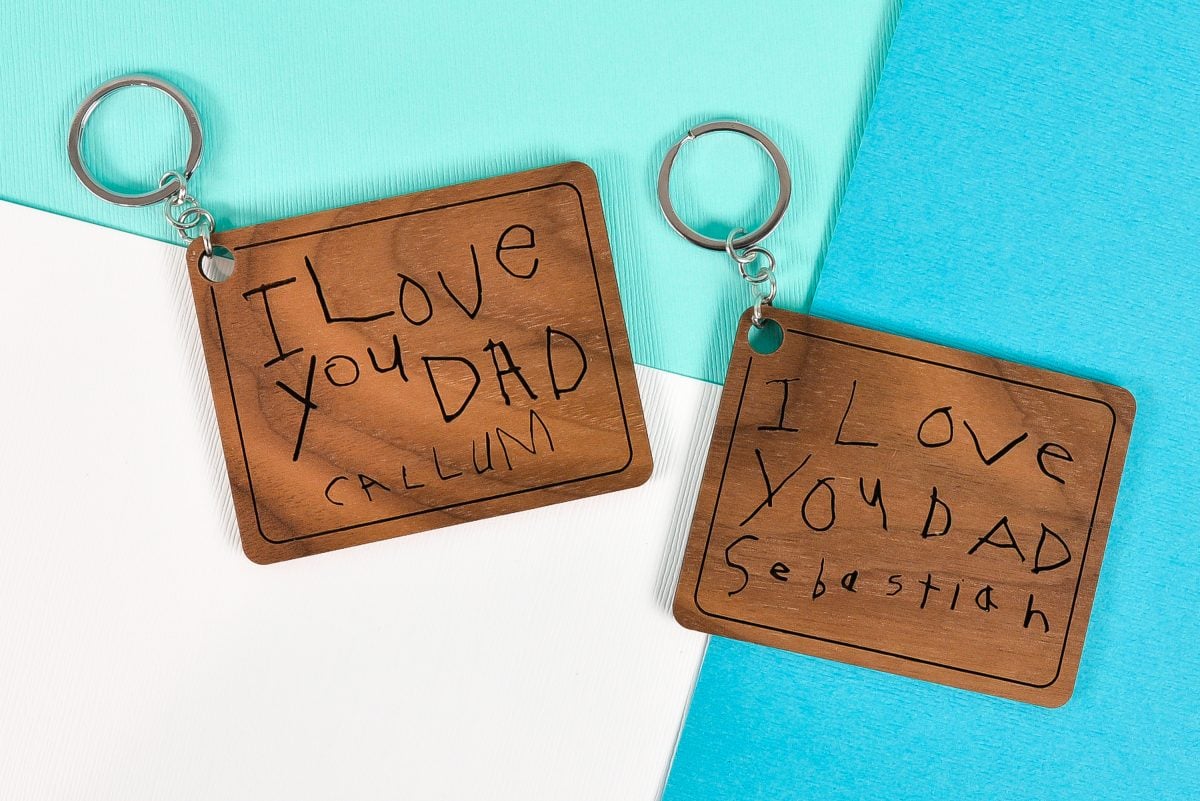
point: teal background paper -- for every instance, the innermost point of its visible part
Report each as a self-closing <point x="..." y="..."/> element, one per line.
<point x="310" y="106"/>
<point x="1027" y="187"/>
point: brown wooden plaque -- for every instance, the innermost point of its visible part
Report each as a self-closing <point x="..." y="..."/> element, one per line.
<point x="906" y="507"/>
<point x="409" y="363"/>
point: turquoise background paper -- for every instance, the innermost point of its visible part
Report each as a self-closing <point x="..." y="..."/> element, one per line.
<point x="309" y="106"/>
<point x="1027" y="187"/>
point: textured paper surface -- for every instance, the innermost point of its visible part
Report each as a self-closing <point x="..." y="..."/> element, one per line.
<point x="144" y="657"/>
<point x="1026" y="188"/>
<point x="316" y="109"/>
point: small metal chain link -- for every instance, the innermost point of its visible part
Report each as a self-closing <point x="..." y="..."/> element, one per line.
<point x="761" y="280"/>
<point x="185" y="214"/>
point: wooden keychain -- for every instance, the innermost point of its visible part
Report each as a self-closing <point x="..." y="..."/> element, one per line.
<point x="896" y="504"/>
<point x="409" y="363"/>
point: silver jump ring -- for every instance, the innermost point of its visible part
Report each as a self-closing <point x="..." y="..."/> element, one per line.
<point x="757" y="235"/>
<point x="75" y="141"/>
<point x="731" y="251"/>
<point x="758" y="318"/>
<point x="191" y="217"/>
<point x="769" y="298"/>
<point x="181" y="187"/>
<point x="764" y="273"/>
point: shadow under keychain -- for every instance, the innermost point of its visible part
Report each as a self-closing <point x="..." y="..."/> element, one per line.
<point x="896" y="504"/>
<point x="409" y="363"/>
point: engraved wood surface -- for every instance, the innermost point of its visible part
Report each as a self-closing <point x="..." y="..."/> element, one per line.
<point x="419" y="361"/>
<point x="906" y="507"/>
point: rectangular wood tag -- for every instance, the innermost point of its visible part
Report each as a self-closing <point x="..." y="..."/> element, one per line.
<point x="419" y="361"/>
<point x="906" y="507"/>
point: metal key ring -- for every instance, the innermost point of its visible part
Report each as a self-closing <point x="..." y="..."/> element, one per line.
<point x="758" y="234"/>
<point x="75" y="141"/>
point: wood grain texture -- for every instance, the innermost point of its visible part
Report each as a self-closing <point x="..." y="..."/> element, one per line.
<point x="906" y="507"/>
<point x="410" y="363"/>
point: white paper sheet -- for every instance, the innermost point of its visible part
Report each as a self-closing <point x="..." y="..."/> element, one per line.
<point x="142" y="656"/>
